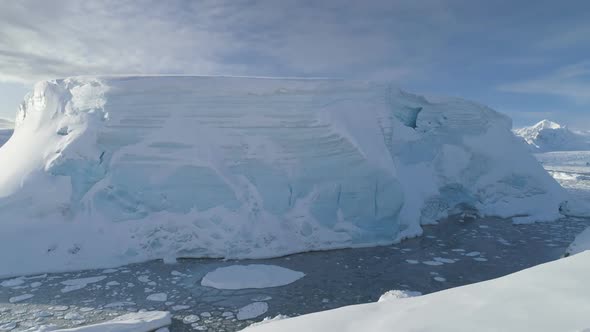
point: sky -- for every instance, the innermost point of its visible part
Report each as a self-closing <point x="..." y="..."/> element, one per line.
<point x="528" y="59"/>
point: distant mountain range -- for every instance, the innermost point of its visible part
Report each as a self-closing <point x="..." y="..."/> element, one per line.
<point x="548" y="136"/>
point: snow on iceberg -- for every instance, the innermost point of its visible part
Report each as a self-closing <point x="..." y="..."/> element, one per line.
<point x="548" y="297"/>
<point x="112" y="170"/>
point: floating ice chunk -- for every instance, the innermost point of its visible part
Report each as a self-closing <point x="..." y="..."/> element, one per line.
<point x="250" y="276"/>
<point x="158" y="297"/>
<point x="261" y="298"/>
<point x="119" y="304"/>
<point x="20" y="298"/>
<point x="473" y="254"/>
<point x="12" y="282"/>
<point x="397" y="294"/>
<point x="432" y="263"/>
<point x="75" y="284"/>
<point x="444" y="260"/>
<point x="252" y="310"/>
<point x="190" y="319"/>
<point x="180" y="307"/>
<point x="59" y="308"/>
<point x="44" y="314"/>
<point x="73" y="316"/>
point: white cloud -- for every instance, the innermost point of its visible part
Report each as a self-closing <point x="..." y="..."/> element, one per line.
<point x="41" y="39"/>
<point x="571" y="81"/>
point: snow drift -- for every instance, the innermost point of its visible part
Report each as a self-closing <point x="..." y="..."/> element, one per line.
<point x="548" y="297"/>
<point x="108" y="171"/>
<point x="548" y="136"/>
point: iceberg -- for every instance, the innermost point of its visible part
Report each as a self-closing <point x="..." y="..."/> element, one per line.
<point x="105" y="171"/>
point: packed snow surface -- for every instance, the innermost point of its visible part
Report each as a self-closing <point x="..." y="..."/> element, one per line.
<point x="548" y="136"/>
<point x="548" y="297"/>
<point x="250" y="276"/>
<point x="134" y="322"/>
<point x="105" y="171"/>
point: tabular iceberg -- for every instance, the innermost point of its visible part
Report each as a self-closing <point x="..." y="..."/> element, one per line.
<point x="103" y="171"/>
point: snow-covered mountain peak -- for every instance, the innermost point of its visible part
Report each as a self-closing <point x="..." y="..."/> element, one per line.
<point x="551" y="136"/>
<point x="547" y="124"/>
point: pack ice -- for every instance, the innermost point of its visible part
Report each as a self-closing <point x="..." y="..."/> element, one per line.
<point x="107" y="171"/>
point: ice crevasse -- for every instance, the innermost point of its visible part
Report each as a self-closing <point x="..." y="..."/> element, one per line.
<point x="103" y="171"/>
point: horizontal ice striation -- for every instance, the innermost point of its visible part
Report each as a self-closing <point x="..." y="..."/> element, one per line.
<point x="108" y="171"/>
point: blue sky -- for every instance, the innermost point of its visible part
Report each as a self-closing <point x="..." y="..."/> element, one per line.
<point x="528" y="59"/>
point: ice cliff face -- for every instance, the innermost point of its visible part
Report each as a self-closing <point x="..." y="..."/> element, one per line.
<point x="107" y="171"/>
<point x="548" y="136"/>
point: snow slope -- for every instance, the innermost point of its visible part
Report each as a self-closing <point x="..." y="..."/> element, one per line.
<point x="6" y="129"/>
<point x="550" y="136"/>
<point x="107" y="171"/>
<point x="549" y="297"/>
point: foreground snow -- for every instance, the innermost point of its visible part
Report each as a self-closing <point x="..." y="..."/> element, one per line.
<point x="548" y="136"/>
<point x="107" y="171"/>
<point x="549" y="297"/>
<point x="250" y="276"/>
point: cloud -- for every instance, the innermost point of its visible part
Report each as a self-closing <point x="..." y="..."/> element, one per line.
<point x="313" y="38"/>
<point x="572" y="82"/>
